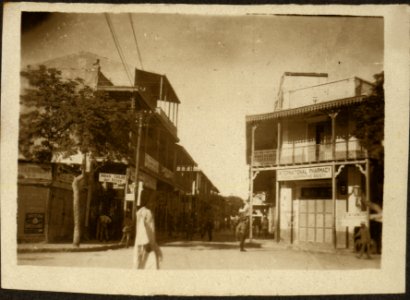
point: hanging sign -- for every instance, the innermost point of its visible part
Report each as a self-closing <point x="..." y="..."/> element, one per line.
<point x="304" y="173"/>
<point x="113" y="178"/>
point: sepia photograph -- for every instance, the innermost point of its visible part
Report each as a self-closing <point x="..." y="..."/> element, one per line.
<point x="210" y="144"/>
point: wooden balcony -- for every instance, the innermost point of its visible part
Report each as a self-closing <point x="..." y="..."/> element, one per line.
<point x="166" y="121"/>
<point x="293" y="155"/>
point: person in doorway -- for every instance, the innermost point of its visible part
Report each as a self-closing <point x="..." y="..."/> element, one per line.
<point x="242" y="230"/>
<point x="364" y="241"/>
<point x="103" y="221"/>
<point x="147" y="253"/>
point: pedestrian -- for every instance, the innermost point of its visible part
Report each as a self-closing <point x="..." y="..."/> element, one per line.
<point x="209" y="226"/>
<point x="147" y="253"/>
<point x="126" y="229"/>
<point x="364" y="241"/>
<point x="265" y="226"/>
<point x="103" y="221"/>
<point x="242" y="230"/>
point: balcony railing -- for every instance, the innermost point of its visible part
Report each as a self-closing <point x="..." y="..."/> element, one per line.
<point x="351" y="150"/>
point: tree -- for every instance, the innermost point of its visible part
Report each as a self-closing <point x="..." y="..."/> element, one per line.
<point x="369" y="129"/>
<point x="62" y="117"/>
<point x="370" y="121"/>
<point x="233" y="204"/>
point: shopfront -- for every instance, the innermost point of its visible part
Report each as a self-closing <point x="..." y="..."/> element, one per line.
<point x="313" y="212"/>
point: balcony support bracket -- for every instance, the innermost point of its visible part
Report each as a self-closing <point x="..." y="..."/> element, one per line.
<point x="339" y="170"/>
<point x="254" y="174"/>
<point x="363" y="171"/>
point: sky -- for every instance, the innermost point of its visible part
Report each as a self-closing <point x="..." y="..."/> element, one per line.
<point x="221" y="67"/>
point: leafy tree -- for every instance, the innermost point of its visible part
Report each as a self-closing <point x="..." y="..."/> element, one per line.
<point x="62" y="117"/>
<point x="369" y="129"/>
<point x="233" y="204"/>
<point x="370" y="121"/>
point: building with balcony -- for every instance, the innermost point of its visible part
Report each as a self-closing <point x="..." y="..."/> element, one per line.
<point x="305" y="158"/>
<point x="154" y="149"/>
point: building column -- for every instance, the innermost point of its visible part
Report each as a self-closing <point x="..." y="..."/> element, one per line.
<point x="251" y="178"/>
<point x="333" y="116"/>
<point x="334" y="203"/>
<point x="277" y="217"/>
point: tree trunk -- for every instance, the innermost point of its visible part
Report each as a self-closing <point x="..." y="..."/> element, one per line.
<point x="76" y="209"/>
<point x="90" y="184"/>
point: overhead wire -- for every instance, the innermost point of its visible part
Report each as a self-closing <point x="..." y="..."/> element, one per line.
<point x="118" y="46"/>
<point x="135" y="40"/>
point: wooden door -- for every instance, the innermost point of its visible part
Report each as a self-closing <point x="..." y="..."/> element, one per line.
<point x="316" y="221"/>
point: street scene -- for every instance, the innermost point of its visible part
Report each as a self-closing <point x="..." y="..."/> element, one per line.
<point x="221" y="254"/>
<point x="200" y="142"/>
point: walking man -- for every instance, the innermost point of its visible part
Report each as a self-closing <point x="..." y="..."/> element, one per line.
<point x="242" y="230"/>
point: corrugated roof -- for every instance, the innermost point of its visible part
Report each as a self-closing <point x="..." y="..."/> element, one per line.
<point x="304" y="109"/>
<point x="307" y="74"/>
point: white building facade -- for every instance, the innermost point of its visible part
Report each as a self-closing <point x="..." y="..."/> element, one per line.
<point x="305" y="156"/>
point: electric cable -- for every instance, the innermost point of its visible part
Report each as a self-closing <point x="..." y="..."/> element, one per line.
<point x="136" y="42"/>
<point x="117" y="45"/>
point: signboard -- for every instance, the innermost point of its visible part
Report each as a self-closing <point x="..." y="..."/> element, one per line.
<point x="34" y="171"/>
<point x="304" y="173"/>
<point x="352" y="219"/>
<point x="113" y="178"/>
<point x="167" y="173"/>
<point x="150" y="163"/>
<point x="65" y="177"/>
<point x="148" y="181"/>
<point x="34" y="223"/>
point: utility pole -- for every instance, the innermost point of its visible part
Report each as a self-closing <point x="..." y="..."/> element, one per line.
<point x="140" y="117"/>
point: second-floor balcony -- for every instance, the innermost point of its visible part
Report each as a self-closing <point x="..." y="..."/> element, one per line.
<point x="289" y="155"/>
<point x="166" y="121"/>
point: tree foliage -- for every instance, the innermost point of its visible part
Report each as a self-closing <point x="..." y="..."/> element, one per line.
<point x="62" y="117"/>
<point x="370" y="121"/>
<point x="65" y="117"/>
<point x="233" y="203"/>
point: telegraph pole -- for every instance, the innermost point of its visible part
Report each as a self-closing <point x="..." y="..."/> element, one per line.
<point x="140" y="116"/>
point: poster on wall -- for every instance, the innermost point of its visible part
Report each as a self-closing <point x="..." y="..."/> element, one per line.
<point x="34" y="223"/>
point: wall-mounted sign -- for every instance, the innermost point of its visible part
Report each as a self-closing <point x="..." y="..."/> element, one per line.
<point x="167" y="173"/>
<point x="34" y="171"/>
<point x="34" y="223"/>
<point x="148" y="181"/>
<point x="150" y="163"/>
<point x="113" y="178"/>
<point x="304" y="173"/>
<point x="65" y="177"/>
<point x="352" y="219"/>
